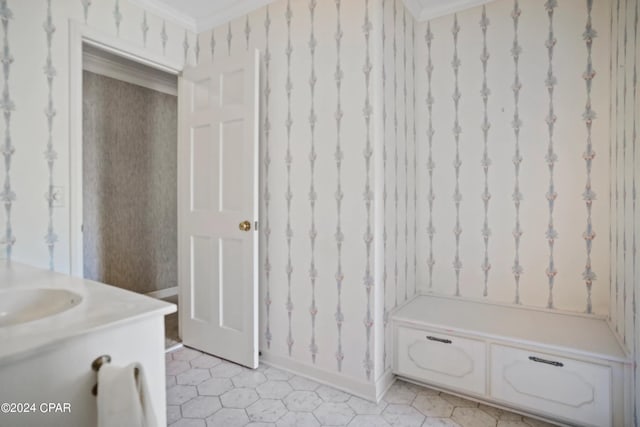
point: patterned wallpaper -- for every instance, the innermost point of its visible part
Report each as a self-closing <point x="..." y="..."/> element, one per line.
<point x="34" y="101"/>
<point x="400" y="230"/>
<point x="493" y="138"/>
<point x="624" y="155"/>
<point x="130" y="185"/>
<point x="317" y="288"/>
<point x="513" y="154"/>
<point x="317" y="302"/>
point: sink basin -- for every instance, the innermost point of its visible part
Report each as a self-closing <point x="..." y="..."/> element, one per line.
<point x="25" y="305"/>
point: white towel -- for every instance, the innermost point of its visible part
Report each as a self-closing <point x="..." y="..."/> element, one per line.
<point x="123" y="398"/>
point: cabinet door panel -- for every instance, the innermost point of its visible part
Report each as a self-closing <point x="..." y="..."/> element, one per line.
<point x="562" y="387"/>
<point x="441" y="359"/>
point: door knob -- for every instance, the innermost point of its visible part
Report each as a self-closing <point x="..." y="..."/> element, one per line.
<point x="245" y="226"/>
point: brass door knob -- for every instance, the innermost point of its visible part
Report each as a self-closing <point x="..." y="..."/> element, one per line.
<point x="245" y="226"/>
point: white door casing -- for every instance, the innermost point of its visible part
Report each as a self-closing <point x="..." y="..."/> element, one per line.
<point x="217" y="191"/>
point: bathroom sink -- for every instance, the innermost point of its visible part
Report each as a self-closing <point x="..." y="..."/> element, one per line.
<point x="25" y="305"/>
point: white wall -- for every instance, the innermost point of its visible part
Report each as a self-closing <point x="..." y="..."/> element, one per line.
<point x="569" y="62"/>
<point x="291" y="334"/>
<point x="624" y="100"/>
<point x="400" y="230"/>
<point x="625" y="178"/>
<point x="290" y="331"/>
<point x="27" y="133"/>
<point x="293" y="340"/>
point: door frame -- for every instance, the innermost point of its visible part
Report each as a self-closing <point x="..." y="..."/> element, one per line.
<point x="78" y="34"/>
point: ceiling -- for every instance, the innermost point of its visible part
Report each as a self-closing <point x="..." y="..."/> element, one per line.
<point x="202" y="15"/>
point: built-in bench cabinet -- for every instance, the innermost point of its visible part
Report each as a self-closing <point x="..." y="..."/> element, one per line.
<point x="566" y="368"/>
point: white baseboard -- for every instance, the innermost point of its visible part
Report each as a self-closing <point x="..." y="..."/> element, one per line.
<point x="353" y="386"/>
<point x="383" y="384"/>
<point x="163" y="293"/>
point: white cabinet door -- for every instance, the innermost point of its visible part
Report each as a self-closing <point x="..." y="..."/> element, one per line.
<point x="218" y="208"/>
<point x="441" y="359"/>
<point x="543" y="383"/>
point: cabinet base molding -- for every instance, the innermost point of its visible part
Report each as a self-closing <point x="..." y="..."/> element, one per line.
<point x="483" y="400"/>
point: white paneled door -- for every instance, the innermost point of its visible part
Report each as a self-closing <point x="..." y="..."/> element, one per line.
<point x="218" y="208"/>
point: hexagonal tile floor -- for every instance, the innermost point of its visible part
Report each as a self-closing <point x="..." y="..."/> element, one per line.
<point x="204" y="391"/>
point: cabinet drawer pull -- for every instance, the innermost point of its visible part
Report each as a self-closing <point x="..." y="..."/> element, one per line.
<point x="442" y="340"/>
<point x="548" y="362"/>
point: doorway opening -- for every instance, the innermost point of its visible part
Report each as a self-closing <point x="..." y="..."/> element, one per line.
<point x="129" y="177"/>
<point x="217" y="191"/>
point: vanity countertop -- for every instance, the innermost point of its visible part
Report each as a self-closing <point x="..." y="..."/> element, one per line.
<point x="102" y="306"/>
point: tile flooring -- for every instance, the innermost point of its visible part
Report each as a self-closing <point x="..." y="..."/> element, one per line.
<point x="204" y="391"/>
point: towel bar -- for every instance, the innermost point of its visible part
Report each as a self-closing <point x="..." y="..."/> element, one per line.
<point x="97" y="364"/>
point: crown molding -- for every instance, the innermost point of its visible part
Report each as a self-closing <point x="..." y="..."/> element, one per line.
<point x="414" y="7"/>
<point x="445" y="8"/>
<point x="171" y="14"/>
<point x="221" y="15"/>
<point x="237" y="8"/>
<point x="228" y="13"/>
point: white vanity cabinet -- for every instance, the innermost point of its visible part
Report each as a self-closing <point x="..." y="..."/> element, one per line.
<point x="62" y="374"/>
<point x="568" y="369"/>
<point x="46" y="358"/>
